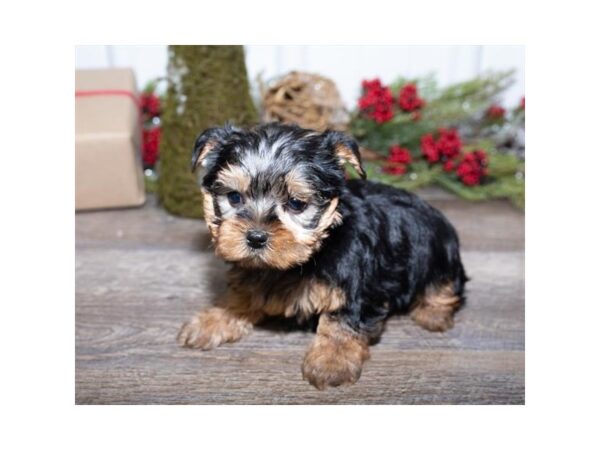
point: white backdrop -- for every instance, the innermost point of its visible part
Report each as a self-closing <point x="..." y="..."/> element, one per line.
<point x="346" y="65"/>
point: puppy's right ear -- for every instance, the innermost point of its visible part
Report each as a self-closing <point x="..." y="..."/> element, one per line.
<point x="207" y="142"/>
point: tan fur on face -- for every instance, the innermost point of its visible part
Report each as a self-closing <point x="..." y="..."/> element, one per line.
<point x="287" y="249"/>
<point x="336" y="355"/>
<point x="282" y="252"/>
<point x="331" y="217"/>
<point x="297" y="186"/>
<point x="434" y="311"/>
<point x="230" y="242"/>
<point x="212" y="222"/>
<point x="234" y="177"/>
<point x="284" y="248"/>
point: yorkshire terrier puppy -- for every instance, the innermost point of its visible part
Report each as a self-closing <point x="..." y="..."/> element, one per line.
<point x="304" y="242"/>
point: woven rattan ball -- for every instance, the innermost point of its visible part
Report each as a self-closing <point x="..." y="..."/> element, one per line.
<point x="308" y="100"/>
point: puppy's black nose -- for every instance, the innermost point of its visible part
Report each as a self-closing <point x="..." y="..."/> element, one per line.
<point x="256" y="238"/>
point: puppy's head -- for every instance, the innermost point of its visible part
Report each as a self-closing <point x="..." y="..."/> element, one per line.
<point x="271" y="193"/>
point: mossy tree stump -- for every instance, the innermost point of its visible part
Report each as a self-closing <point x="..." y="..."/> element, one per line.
<point x="208" y="86"/>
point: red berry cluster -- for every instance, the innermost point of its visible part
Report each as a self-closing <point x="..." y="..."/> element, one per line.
<point x="150" y="106"/>
<point x="150" y="145"/>
<point x="397" y="161"/>
<point x="495" y="112"/>
<point x="472" y="167"/>
<point x="377" y="101"/>
<point x="522" y="103"/>
<point x="447" y="146"/>
<point x="409" y="99"/>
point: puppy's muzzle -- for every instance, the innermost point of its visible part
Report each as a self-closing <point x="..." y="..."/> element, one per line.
<point x="256" y="239"/>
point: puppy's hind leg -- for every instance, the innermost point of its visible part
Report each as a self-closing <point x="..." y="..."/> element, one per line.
<point x="434" y="309"/>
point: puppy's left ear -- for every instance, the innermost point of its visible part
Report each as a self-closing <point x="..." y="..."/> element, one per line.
<point x="345" y="149"/>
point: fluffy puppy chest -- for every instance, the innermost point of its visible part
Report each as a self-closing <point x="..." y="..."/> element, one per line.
<point x="285" y="294"/>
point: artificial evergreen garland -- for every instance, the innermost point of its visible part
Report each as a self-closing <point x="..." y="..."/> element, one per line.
<point x="414" y="133"/>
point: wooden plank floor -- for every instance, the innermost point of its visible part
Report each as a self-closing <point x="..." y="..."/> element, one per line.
<point x="140" y="273"/>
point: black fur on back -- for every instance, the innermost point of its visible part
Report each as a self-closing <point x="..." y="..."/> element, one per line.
<point x="390" y="247"/>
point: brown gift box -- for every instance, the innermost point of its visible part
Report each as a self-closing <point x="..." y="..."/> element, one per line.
<point x="108" y="165"/>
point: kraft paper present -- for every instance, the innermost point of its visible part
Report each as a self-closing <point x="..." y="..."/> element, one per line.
<point x="108" y="165"/>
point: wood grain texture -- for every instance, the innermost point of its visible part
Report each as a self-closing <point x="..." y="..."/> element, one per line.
<point x="140" y="273"/>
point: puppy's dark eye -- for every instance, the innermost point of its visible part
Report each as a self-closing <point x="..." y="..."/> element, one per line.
<point x="235" y="198"/>
<point x="296" y="205"/>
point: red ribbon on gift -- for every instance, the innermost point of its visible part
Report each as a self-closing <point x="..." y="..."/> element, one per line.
<point x="110" y="92"/>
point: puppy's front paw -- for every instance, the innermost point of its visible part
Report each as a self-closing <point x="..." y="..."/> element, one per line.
<point x="334" y="360"/>
<point x="211" y="328"/>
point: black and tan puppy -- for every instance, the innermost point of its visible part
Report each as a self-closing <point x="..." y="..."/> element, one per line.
<point x="303" y="242"/>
